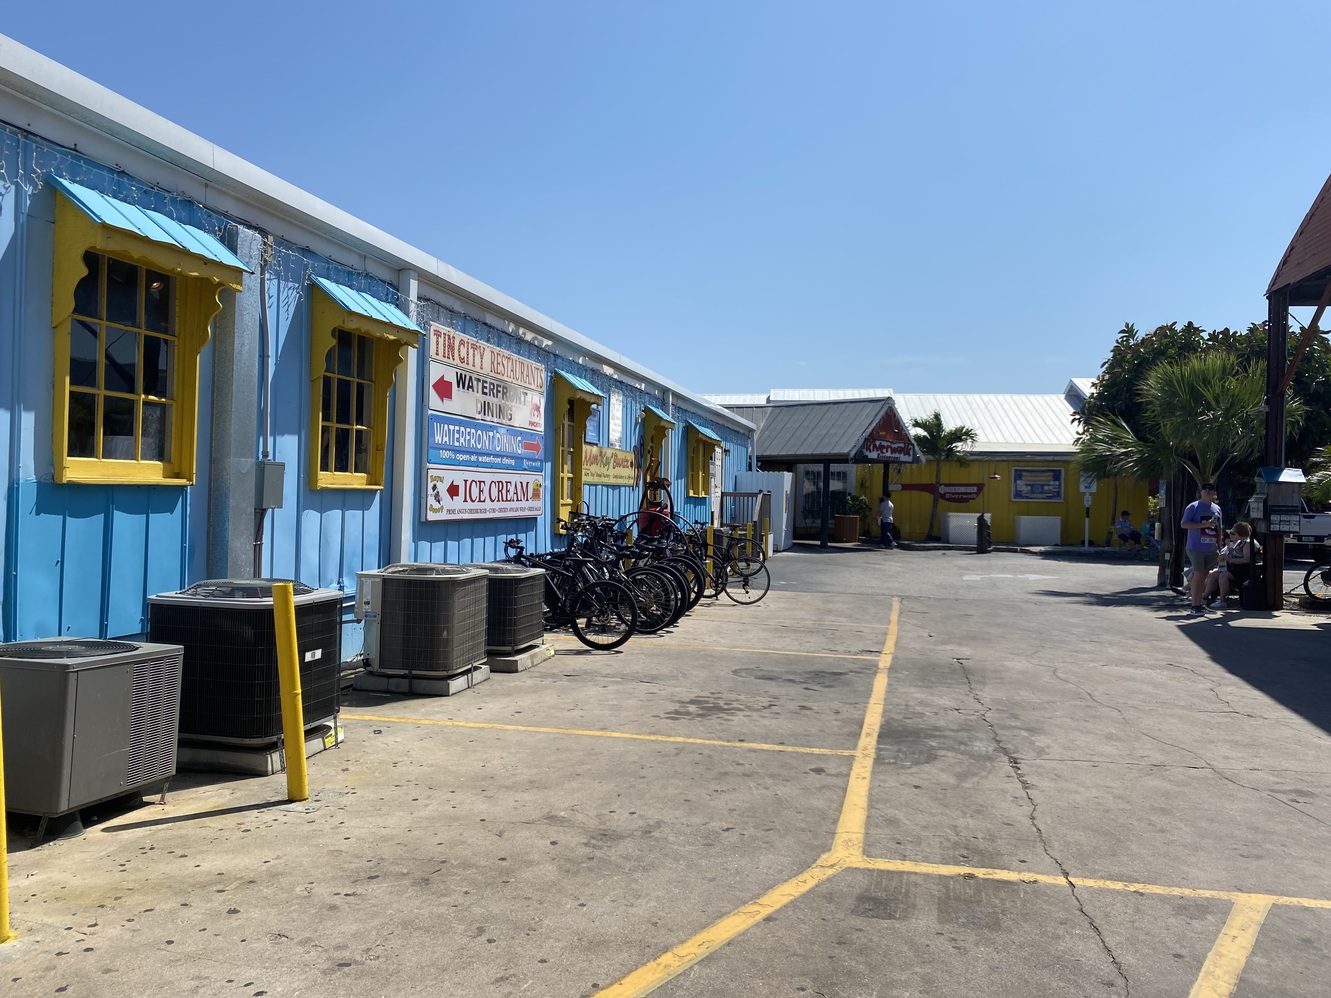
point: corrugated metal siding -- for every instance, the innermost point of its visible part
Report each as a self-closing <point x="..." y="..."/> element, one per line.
<point x="1004" y="423"/>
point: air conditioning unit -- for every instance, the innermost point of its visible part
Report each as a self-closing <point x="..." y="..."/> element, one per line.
<point x="368" y="587"/>
<point x="431" y="620"/>
<point x="516" y="612"/>
<point x="86" y="720"/>
<point x="229" y="691"/>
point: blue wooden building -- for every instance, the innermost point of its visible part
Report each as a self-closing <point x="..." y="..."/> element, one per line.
<point x="206" y="372"/>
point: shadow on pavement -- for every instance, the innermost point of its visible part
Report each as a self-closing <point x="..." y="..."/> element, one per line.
<point x="1291" y="665"/>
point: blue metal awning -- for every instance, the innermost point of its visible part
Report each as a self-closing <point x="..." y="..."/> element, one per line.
<point x="702" y="431"/>
<point x="582" y="385"/>
<point x="151" y="225"/>
<point x="659" y="414"/>
<point x="360" y="303"/>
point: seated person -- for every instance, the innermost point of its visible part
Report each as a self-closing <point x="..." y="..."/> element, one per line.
<point x="1148" y="532"/>
<point x="1236" y="565"/>
<point x="1126" y="532"/>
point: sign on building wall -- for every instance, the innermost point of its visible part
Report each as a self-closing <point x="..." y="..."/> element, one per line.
<point x="472" y="444"/>
<point x="485" y="432"/>
<point x="616" y="419"/>
<point x="1037" y="484"/>
<point x="888" y="440"/>
<point x="608" y="466"/>
<point x="476" y="493"/>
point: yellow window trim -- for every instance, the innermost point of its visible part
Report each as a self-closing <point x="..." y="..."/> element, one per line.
<point x="199" y="284"/>
<point x="565" y="392"/>
<point x="390" y="350"/>
<point x="655" y="432"/>
<point x="701" y="449"/>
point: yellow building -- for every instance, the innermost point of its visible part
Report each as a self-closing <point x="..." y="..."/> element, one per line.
<point x="1020" y="473"/>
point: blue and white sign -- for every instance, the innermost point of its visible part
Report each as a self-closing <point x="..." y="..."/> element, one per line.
<point x="472" y="444"/>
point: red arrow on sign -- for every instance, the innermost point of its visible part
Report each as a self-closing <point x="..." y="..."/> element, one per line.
<point x="452" y="490"/>
<point x="443" y="388"/>
<point x="532" y="446"/>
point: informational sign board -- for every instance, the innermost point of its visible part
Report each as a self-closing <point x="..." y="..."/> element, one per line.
<point x="1089" y="483"/>
<point x="477" y="494"/>
<point x="888" y="440"/>
<point x="1037" y="484"/>
<point x="459" y="392"/>
<point x="451" y="440"/>
<point x="592" y="434"/>
<point x="616" y="419"/>
<point x="485" y="431"/>
<point x="608" y="466"/>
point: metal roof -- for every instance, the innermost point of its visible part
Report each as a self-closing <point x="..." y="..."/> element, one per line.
<point x="1005" y="424"/>
<point x="144" y="222"/>
<point x="737" y="398"/>
<point x="581" y="384"/>
<point x="817" y="431"/>
<point x="362" y="304"/>
<point x="659" y="414"/>
<point x="1305" y="266"/>
<point x="826" y="394"/>
<point x="703" y="431"/>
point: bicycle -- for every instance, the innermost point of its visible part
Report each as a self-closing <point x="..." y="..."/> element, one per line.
<point x="602" y="612"/>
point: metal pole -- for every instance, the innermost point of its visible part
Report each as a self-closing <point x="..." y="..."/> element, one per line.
<point x="1277" y="347"/>
<point x="827" y="504"/>
<point x="6" y="933"/>
<point x="288" y="672"/>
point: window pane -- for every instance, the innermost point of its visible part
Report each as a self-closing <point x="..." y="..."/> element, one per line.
<point x="364" y="357"/>
<point x="342" y="450"/>
<point x="326" y="449"/>
<point x="122" y="361"/>
<point x="362" y="404"/>
<point x="82" y="424"/>
<point x="345" y="352"/>
<point x="83" y="354"/>
<point x="122" y="292"/>
<point x="117" y="429"/>
<point x="158" y="368"/>
<point x="362" y="452"/>
<point x="88" y="293"/>
<point x="328" y="400"/>
<point x="157" y="299"/>
<point x="343" y="414"/>
<point x="330" y="360"/>
<point x="156" y="444"/>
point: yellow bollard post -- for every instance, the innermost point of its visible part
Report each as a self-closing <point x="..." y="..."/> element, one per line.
<point x="288" y="674"/>
<point x="711" y="535"/>
<point x="6" y="933"/>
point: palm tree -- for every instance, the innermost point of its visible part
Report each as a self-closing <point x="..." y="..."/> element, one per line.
<point x="940" y="443"/>
<point x="1199" y="414"/>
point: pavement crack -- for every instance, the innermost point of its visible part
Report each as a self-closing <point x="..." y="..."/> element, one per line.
<point x="1015" y="765"/>
<point x="1183" y="748"/>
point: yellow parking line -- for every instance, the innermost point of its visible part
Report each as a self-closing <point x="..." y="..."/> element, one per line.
<point x="849" y="842"/>
<point x="1031" y="877"/>
<point x="650" y="645"/>
<point x="1224" y="965"/>
<point x="651" y="976"/>
<point x="762" y="746"/>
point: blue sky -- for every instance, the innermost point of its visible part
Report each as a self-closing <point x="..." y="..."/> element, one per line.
<point x="946" y="197"/>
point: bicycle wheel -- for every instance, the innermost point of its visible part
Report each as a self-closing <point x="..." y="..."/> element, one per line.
<point x="604" y="614"/>
<point x="747" y="589"/>
<point x="680" y="581"/>
<point x="745" y="555"/>
<point x="656" y="597"/>
<point x="1317" y="583"/>
<point x="694" y="574"/>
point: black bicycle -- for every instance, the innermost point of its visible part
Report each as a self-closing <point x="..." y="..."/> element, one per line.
<point x="602" y="612"/>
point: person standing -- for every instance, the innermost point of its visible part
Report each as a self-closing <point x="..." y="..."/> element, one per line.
<point x="885" y="511"/>
<point x="1202" y="522"/>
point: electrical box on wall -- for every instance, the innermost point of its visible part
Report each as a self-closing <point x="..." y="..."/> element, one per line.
<point x="268" y="480"/>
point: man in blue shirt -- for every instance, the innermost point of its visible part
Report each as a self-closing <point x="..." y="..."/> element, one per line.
<point x="1201" y="523"/>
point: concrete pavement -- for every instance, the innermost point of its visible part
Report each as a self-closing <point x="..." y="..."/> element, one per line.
<point x="904" y="773"/>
